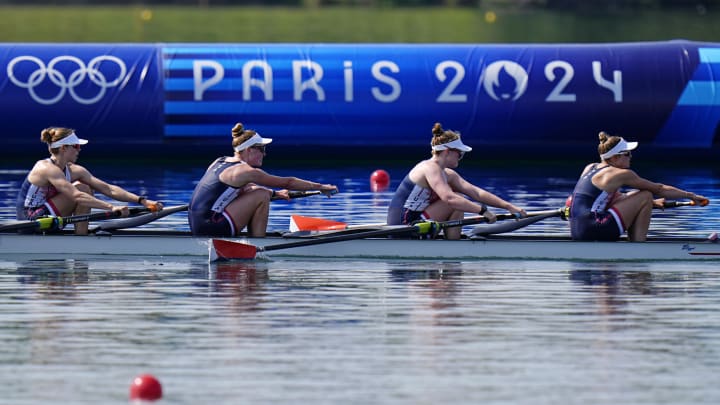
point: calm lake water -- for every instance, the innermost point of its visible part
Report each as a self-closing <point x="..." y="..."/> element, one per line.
<point x="77" y="330"/>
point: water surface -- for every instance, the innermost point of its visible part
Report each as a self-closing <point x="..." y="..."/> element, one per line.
<point x="331" y="332"/>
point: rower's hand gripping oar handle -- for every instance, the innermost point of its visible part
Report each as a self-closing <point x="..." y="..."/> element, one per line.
<point x="691" y="203"/>
<point x="302" y="194"/>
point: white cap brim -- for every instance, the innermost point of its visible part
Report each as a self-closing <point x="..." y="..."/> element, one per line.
<point x="621" y="146"/>
<point x="71" y="139"/>
<point x="254" y="140"/>
<point x="456" y="144"/>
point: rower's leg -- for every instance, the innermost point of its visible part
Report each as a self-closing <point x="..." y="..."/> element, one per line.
<point x="441" y="211"/>
<point x="251" y="209"/>
<point x="454" y="232"/>
<point x="258" y="224"/>
<point x="81" y="228"/>
<point x="636" y="211"/>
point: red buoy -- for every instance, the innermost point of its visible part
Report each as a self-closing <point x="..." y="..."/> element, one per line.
<point x="379" y="180"/>
<point x="145" y="387"/>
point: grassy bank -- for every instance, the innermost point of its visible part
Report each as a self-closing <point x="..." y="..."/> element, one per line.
<point x="338" y="25"/>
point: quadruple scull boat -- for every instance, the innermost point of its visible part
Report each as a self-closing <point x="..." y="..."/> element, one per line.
<point x="151" y="242"/>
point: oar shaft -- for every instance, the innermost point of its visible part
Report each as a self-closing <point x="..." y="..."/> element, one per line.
<point x="98" y="216"/>
<point x="48" y="223"/>
<point x="138" y="220"/>
<point x="298" y="194"/>
<point x="498" y="217"/>
<point x="339" y="238"/>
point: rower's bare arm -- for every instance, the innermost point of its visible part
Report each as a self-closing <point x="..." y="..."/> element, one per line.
<point x="56" y="177"/>
<point x="448" y="189"/>
<point x="117" y="193"/>
<point x="294" y="183"/>
<point x="83" y="199"/>
<point x="110" y="190"/>
<point x="661" y="190"/>
<point x="483" y="196"/>
<point x="241" y="177"/>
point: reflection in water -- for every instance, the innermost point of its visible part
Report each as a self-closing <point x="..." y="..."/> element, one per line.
<point x="608" y="282"/>
<point x="50" y="288"/>
<point x="56" y="276"/>
<point x="432" y="291"/>
<point x="241" y="280"/>
<point x="426" y="271"/>
<point x="332" y="331"/>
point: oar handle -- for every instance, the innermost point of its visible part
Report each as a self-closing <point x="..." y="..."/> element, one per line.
<point x="302" y="194"/>
<point x="691" y="203"/>
<point x="299" y="194"/>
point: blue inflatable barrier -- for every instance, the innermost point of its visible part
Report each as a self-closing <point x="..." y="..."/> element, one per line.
<point x="524" y="98"/>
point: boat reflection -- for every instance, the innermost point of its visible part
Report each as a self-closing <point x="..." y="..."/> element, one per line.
<point x="432" y="290"/>
<point x="241" y="280"/>
<point x="610" y="281"/>
<point x="57" y="276"/>
<point x="428" y="272"/>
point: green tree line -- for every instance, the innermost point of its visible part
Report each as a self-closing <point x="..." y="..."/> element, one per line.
<point x="701" y="6"/>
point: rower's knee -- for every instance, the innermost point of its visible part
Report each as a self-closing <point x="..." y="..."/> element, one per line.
<point x="84" y="188"/>
<point x="645" y="197"/>
<point x="262" y="197"/>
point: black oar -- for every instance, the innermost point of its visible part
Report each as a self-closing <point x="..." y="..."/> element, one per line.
<point x="299" y="194"/>
<point x="137" y="220"/>
<point x="504" y="227"/>
<point x="52" y="223"/>
<point x="228" y="249"/>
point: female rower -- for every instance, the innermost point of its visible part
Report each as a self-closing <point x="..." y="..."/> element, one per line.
<point x="433" y="190"/>
<point x="58" y="186"/>
<point x="235" y="192"/>
<point x="600" y="211"/>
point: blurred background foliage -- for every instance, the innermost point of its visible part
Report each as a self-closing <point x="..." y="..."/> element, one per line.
<point x="359" y="21"/>
<point x="566" y="5"/>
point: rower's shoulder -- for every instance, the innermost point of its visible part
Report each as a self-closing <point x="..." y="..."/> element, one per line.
<point x="43" y="165"/>
<point x="587" y="168"/>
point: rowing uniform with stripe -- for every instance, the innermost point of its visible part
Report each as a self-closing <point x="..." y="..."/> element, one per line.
<point x="409" y="203"/>
<point x="206" y="213"/>
<point x="590" y="217"/>
<point x="35" y="202"/>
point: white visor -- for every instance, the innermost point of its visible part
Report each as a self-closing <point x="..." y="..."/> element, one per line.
<point x="254" y="140"/>
<point x="456" y="144"/>
<point x="71" y="139"/>
<point x="621" y="146"/>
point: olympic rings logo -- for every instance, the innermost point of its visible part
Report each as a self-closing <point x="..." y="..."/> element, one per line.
<point x="70" y="83"/>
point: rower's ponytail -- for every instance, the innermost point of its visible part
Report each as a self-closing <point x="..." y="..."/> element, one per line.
<point x="240" y="134"/>
<point x="54" y="134"/>
<point x="607" y="142"/>
<point x="442" y="136"/>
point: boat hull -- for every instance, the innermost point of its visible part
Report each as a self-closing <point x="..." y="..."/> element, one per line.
<point x="159" y="244"/>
